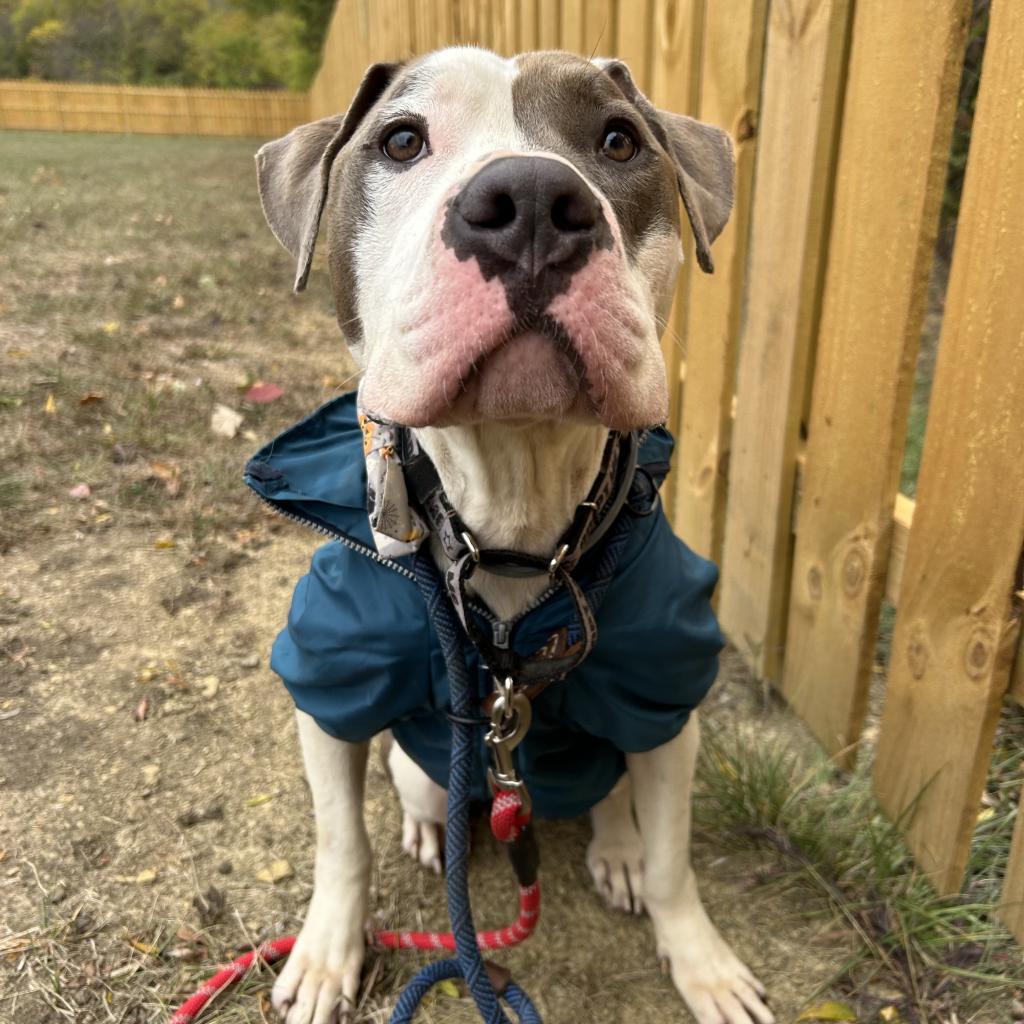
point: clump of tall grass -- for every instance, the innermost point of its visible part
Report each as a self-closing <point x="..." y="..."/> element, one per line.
<point x="827" y="834"/>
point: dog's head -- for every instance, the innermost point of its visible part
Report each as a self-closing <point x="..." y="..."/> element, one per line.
<point x="504" y="235"/>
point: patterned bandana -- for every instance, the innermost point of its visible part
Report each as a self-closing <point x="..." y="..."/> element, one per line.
<point x="397" y="528"/>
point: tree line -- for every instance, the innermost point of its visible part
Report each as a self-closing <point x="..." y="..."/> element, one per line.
<point x="241" y="44"/>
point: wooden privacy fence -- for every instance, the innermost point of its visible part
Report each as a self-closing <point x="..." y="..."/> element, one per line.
<point x="791" y="404"/>
<point x="71" y="107"/>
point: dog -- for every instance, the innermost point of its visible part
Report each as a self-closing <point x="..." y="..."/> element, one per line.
<point x="503" y="240"/>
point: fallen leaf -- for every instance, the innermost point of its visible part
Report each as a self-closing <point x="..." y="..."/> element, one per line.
<point x="169" y="474"/>
<point x="91" y="398"/>
<point x="18" y="353"/>
<point x="277" y="871"/>
<point x="830" y="1011"/>
<point x="448" y="988"/>
<point x="144" y="947"/>
<point x="146" y="877"/>
<point x="163" y="543"/>
<point x="225" y="421"/>
<point x="258" y="799"/>
<point x="111" y="327"/>
<point x="261" y="393"/>
<point x="51" y="405"/>
<point x="80" y="491"/>
<point x="985" y="814"/>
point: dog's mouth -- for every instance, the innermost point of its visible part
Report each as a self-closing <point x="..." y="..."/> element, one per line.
<point x="533" y="372"/>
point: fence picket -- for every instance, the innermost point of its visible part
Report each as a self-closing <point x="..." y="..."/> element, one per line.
<point x="956" y="626"/>
<point x="633" y="31"/>
<point x="675" y="86"/>
<point x="800" y="103"/>
<point x="733" y="51"/>
<point x="906" y="60"/>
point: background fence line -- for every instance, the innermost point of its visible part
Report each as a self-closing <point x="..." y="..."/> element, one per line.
<point x="149" y="110"/>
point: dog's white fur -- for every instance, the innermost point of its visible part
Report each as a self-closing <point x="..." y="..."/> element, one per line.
<point x="517" y="487"/>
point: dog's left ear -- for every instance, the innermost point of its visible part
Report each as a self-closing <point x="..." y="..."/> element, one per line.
<point x="705" y="169"/>
<point x="294" y="172"/>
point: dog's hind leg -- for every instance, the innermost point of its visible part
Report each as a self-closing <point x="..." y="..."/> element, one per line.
<point x="320" y="979"/>
<point x="615" y="856"/>
<point x="716" y="985"/>
<point x="424" y="809"/>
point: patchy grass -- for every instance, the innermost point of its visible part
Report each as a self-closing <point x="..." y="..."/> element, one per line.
<point x="141" y="288"/>
<point x="913" y="955"/>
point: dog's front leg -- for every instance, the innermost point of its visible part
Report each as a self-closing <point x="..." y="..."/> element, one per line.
<point x="320" y="980"/>
<point x="717" y="986"/>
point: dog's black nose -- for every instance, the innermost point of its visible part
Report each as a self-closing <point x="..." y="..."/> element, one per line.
<point x="530" y="220"/>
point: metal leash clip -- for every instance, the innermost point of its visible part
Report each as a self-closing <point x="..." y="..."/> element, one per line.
<point x="511" y="715"/>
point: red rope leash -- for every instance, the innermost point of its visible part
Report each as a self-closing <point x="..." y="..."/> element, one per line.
<point x="507" y="822"/>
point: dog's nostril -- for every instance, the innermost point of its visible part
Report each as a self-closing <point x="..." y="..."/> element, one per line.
<point x="497" y="210"/>
<point x="572" y="212"/>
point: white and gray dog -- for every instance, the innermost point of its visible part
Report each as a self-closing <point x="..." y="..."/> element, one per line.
<point x="504" y="239"/>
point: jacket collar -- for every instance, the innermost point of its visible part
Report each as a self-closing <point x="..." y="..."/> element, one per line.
<point x="316" y="472"/>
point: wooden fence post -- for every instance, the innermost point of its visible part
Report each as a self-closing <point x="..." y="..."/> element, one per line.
<point x="956" y="627"/>
<point x="730" y="90"/>
<point x="676" y="57"/>
<point x="633" y="39"/>
<point x="805" y="62"/>
<point x="906" y="61"/>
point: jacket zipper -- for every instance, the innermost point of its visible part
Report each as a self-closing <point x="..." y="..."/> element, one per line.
<point x="337" y="535"/>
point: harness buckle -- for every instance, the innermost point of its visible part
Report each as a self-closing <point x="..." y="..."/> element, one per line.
<point x="470" y="542"/>
<point x="557" y="559"/>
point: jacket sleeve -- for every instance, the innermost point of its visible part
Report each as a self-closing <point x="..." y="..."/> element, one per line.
<point x="354" y="652"/>
<point x="656" y="655"/>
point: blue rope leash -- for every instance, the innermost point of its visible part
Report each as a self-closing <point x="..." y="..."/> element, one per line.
<point x="468" y="963"/>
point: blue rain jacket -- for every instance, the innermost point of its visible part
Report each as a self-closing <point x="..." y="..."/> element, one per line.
<point x="360" y="655"/>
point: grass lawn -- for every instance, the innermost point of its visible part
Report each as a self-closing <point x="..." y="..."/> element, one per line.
<point x="149" y="773"/>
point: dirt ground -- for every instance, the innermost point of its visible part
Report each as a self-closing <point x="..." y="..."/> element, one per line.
<point x="149" y="771"/>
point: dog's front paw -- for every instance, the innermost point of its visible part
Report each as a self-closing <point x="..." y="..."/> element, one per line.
<point x="320" y="979"/>
<point x="615" y="860"/>
<point x="715" y="984"/>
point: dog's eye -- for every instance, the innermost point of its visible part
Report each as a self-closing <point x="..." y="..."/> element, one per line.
<point x="619" y="145"/>
<point x="404" y="144"/>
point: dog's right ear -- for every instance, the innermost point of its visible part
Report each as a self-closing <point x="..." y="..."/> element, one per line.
<point x="294" y="172"/>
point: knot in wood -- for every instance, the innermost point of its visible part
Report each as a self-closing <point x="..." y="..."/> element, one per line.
<point x="978" y="654"/>
<point x="855" y="567"/>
